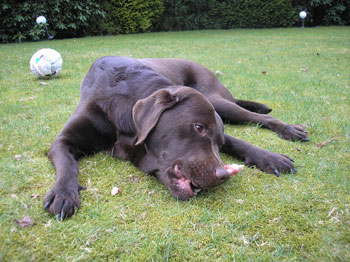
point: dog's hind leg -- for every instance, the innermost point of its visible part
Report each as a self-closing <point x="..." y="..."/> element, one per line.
<point x="254" y="106"/>
<point x="83" y="134"/>
<point x="235" y="114"/>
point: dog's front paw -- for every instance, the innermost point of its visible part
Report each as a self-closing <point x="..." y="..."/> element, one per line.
<point x="270" y="162"/>
<point x="63" y="201"/>
<point x="293" y="133"/>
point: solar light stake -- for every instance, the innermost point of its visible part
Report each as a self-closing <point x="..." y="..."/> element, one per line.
<point x="302" y="15"/>
<point x="42" y="20"/>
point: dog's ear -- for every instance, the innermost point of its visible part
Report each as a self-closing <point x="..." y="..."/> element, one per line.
<point x="146" y="112"/>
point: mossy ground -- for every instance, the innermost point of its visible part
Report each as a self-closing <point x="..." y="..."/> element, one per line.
<point x="252" y="217"/>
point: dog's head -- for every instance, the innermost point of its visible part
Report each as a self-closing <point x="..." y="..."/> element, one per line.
<point x="182" y="135"/>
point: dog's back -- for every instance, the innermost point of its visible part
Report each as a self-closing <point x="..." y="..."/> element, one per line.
<point x="112" y="76"/>
<point x="189" y="73"/>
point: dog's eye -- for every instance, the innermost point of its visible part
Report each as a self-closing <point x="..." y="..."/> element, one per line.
<point x="199" y="128"/>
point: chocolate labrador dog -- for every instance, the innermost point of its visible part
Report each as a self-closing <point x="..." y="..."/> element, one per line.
<point x="165" y="116"/>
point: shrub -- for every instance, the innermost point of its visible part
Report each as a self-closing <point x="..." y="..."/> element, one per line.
<point x="213" y="14"/>
<point x="254" y="13"/>
<point x="65" y="18"/>
<point x="185" y="15"/>
<point x="325" y="12"/>
<point x="130" y="16"/>
<point x="75" y="18"/>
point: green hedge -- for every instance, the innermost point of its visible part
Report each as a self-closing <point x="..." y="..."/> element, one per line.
<point x="212" y="14"/>
<point x="75" y="18"/>
<point x="325" y="12"/>
<point x="225" y="14"/>
<point x="130" y="16"/>
<point x="254" y="13"/>
<point x="185" y="15"/>
<point x="65" y="18"/>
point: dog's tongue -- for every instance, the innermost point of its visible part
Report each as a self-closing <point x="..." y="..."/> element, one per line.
<point x="233" y="168"/>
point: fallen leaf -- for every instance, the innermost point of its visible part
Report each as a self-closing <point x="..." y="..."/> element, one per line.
<point x="332" y="212"/>
<point x="264" y="72"/>
<point x="89" y="183"/>
<point x="322" y="144"/>
<point x="263" y="244"/>
<point x="245" y="241"/>
<point x="14" y="196"/>
<point x="35" y="196"/>
<point x="134" y="179"/>
<point x="218" y="73"/>
<point x="27" y="98"/>
<point x="88" y="249"/>
<point x="240" y="201"/>
<point x="334" y="219"/>
<point x="275" y="220"/>
<point x="48" y="223"/>
<point x="18" y="157"/>
<point x="25" y="221"/>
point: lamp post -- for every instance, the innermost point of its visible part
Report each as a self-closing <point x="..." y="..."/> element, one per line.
<point x="302" y="15"/>
<point x="42" y="20"/>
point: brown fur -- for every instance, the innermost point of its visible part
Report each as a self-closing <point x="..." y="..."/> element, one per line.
<point x="163" y="115"/>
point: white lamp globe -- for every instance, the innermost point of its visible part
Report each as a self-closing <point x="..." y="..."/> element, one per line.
<point x="41" y="19"/>
<point x="302" y="14"/>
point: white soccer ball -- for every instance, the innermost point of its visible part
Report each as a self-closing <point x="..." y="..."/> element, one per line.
<point x="46" y="62"/>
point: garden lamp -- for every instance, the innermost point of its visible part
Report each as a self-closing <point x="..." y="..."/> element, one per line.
<point x="42" y="20"/>
<point x="302" y="15"/>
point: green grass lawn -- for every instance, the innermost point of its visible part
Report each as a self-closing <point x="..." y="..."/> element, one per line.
<point x="252" y="217"/>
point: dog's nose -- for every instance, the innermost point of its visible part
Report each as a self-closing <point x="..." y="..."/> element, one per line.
<point x="222" y="174"/>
